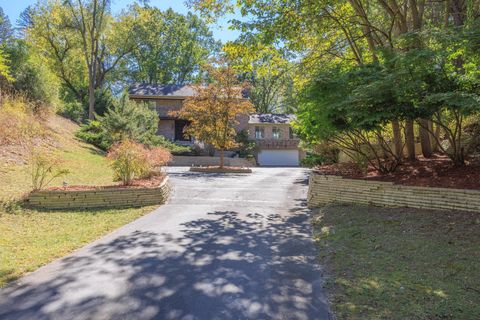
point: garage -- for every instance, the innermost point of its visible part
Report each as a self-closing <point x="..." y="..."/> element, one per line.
<point x="278" y="158"/>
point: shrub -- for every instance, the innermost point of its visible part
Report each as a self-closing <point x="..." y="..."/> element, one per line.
<point x="158" y="157"/>
<point x="94" y="133"/>
<point x="312" y="160"/>
<point x="74" y="111"/>
<point x="44" y="169"/>
<point x="132" y="160"/>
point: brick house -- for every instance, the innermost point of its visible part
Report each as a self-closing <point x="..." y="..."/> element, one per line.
<point x="277" y="144"/>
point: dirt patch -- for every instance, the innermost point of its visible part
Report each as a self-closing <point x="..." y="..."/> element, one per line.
<point x="437" y="171"/>
<point x="152" y="182"/>
<point x="215" y="169"/>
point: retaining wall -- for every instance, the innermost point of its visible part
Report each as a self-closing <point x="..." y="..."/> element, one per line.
<point x="208" y="161"/>
<point x="99" y="198"/>
<point x="325" y="189"/>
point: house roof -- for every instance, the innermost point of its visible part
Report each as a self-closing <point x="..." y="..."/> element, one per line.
<point x="158" y="90"/>
<point x="165" y="90"/>
<point x="261" y="118"/>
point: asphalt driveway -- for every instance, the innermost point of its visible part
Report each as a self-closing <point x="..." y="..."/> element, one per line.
<point x="225" y="247"/>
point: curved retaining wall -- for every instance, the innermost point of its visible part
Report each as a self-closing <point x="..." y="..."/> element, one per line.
<point x="100" y="198"/>
<point x="325" y="189"/>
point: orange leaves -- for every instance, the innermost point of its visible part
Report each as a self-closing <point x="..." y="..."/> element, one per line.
<point x="213" y="110"/>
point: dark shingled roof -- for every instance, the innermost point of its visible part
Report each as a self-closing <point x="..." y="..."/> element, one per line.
<point x="165" y="90"/>
<point x="271" y="118"/>
<point x="155" y="90"/>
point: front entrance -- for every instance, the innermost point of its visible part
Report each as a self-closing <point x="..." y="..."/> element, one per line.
<point x="179" y="134"/>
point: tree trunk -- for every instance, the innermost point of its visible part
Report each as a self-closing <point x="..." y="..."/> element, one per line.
<point x="222" y="156"/>
<point x="425" y="138"/>
<point x="397" y="139"/>
<point x="434" y="134"/>
<point x="410" y="139"/>
<point x="91" y="101"/>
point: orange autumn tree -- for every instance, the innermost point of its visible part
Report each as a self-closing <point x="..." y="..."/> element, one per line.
<point x="212" y="111"/>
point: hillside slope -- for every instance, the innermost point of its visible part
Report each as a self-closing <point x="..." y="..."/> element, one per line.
<point x="87" y="164"/>
<point x="32" y="238"/>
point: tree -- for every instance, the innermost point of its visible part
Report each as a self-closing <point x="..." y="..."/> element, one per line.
<point x="269" y="73"/>
<point x="213" y="110"/>
<point x="6" y="31"/>
<point x="170" y="47"/>
<point x="82" y="42"/>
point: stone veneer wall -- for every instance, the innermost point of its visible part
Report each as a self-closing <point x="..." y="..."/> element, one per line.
<point x="325" y="189"/>
<point x="208" y="161"/>
<point x="100" y="198"/>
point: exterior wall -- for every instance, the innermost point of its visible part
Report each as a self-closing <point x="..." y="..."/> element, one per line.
<point x="325" y="189"/>
<point x="164" y="106"/>
<point x="166" y="128"/>
<point x="268" y="127"/>
<point x="187" y="161"/>
<point x="101" y="198"/>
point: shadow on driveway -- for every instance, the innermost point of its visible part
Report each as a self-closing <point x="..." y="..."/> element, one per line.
<point x="226" y="265"/>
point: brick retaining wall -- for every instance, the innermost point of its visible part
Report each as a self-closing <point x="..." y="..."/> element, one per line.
<point x="325" y="189"/>
<point x="100" y="198"/>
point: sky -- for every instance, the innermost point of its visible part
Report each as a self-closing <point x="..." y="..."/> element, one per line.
<point x="13" y="8"/>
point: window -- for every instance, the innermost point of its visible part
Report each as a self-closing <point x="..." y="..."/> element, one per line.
<point x="259" y="133"/>
<point x="276" y="133"/>
<point x="291" y="134"/>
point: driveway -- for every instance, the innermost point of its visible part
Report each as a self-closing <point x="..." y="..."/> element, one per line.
<point x="224" y="247"/>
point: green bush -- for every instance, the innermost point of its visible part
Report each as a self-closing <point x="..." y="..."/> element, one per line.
<point x="74" y="111"/>
<point x="127" y="119"/>
<point x="312" y="160"/>
<point x="94" y="133"/>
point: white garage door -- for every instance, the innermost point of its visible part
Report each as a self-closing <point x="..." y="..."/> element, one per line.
<point x="278" y="158"/>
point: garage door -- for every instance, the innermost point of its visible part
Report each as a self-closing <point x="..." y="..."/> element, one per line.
<point x="278" y="158"/>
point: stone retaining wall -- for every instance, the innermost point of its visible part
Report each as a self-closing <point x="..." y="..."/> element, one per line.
<point x="208" y="161"/>
<point x="100" y="198"/>
<point x="325" y="189"/>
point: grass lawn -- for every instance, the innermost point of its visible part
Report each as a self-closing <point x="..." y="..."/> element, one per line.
<point x="29" y="238"/>
<point x="400" y="263"/>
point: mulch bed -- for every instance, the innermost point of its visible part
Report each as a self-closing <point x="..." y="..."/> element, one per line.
<point x="437" y="171"/>
<point x="216" y="169"/>
<point x="152" y="182"/>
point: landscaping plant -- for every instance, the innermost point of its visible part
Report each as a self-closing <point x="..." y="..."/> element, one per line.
<point x="213" y="110"/>
<point x="44" y="168"/>
<point x="131" y="160"/>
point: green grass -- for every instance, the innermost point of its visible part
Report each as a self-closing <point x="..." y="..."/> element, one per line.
<point x="400" y="263"/>
<point x="30" y="238"/>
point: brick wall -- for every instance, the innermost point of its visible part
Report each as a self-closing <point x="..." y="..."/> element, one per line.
<point x="325" y="189"/>
<point x="101" y="198"/>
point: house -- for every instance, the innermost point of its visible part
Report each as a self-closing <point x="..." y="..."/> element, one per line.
<point x="277" y="144"/>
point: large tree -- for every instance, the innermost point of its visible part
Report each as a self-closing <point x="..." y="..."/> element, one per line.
<point x="350" y="33"/>
<point x="82" y="41"/>
<point x="170" y="47"/>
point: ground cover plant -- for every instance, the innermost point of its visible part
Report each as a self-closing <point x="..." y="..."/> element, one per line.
<point x="402" y="263"/>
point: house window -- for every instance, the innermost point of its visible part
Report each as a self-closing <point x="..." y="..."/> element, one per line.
<point x="276" y="133"/>
<point x="259" y="133"/>
<point x="291" y="134"/>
